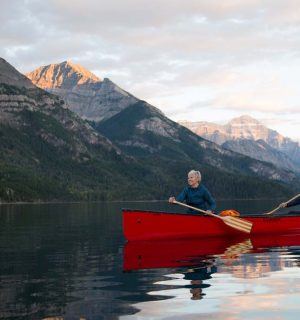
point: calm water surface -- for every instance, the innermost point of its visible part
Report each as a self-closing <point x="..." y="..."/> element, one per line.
<point x="70" y="261"/>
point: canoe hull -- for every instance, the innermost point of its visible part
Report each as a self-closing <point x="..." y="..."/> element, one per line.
<point x="149" y="225"/>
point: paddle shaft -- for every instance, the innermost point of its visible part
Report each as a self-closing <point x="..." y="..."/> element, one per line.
<point x="200" y="210"/>
<point x="277" y="208"/>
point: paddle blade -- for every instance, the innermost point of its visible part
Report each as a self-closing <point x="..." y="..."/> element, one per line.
<point x="238" y="224"/>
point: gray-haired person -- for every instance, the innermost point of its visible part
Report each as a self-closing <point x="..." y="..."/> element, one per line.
<point x="196" y="194"/>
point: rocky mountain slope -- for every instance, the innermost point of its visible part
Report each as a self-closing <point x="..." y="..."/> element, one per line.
<point x="86" y="94"/>
<point x="48" y="152"/>
<point x="145" y="133"/>
<point x="279" y="150"/>
<point x="10" y="76"/>
<point x="262" y="151"/>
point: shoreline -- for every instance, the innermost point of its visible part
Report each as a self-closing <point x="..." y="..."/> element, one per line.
<point x="122" y="201"/>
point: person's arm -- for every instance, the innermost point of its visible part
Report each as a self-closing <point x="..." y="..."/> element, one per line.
<point x="181" y="197"/>
<point x="210" y="200"/>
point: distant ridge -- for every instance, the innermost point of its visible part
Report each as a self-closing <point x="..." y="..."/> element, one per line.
<point x="234" y="134"/>
<point x="243" y="127"/>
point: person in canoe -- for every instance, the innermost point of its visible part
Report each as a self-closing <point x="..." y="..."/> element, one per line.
<point x="293" y="203"/>
<point x="196" y="194"/>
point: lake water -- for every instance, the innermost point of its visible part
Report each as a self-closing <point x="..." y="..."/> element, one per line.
<point x="70" y="261"/>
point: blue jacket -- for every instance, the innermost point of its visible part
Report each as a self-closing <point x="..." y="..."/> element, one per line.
<point x="294" y="203"/>
<point x="198" y="197"/>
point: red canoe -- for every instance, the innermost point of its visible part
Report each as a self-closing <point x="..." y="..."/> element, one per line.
<point x="149" y="225"/>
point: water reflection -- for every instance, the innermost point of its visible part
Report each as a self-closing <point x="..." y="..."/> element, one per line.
<point x="70" y="261"/>
<point x="56" y="259"/>
<point x="178" y="253"/>
<point x="198" y="261"/>
<point x="269" y="254"/>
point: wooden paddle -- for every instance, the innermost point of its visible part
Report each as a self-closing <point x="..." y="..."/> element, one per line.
<point x="277" y="208"/>
<point x="233" y="222"/>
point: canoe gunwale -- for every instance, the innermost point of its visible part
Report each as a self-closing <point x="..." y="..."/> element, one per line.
<point x="276" y="215"/>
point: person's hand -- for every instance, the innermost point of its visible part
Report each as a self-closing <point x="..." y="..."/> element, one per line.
<point x="283" y="205"/>
<point x="209" y="212"/>
<point x="172" y="199"/>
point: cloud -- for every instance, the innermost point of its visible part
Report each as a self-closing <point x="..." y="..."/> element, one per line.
<point x="236" y="55"/>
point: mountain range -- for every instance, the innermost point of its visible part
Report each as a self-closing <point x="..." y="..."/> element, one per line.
<point x="68" y="135"/>
<point x="248" y="136"/>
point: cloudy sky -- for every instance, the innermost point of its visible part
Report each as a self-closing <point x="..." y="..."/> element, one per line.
<point x="199" y="60"/>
